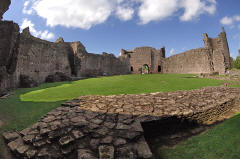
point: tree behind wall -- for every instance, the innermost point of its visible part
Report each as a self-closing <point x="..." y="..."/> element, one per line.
<point x="237" y="61"/>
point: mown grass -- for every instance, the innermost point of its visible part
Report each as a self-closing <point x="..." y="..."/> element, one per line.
<point x="221" y="142"/>
<point x="26" y="106"/>
<point x="17" y="114"/>
<point x="125" y="84"/>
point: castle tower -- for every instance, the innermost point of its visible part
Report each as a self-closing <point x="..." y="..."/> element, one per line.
<point x="219" y="44"/>
<point x="224" y="46"/>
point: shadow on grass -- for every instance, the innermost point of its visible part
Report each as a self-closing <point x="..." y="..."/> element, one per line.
<point x="220" y="142"/>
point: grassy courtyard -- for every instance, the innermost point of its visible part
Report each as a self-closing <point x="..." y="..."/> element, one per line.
<point x="125" y="84"/>
<point x="26" y="106"/>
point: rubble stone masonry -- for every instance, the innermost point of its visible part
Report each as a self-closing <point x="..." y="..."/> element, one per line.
<point x="108" y="127"/>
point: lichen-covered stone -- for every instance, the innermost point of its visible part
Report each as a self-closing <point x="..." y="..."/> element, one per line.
<point x="10" y="136"/>
<point x="85" y="154"/>
<point x="106" y="152"/>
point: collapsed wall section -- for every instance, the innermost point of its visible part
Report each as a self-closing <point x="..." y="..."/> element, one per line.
<point x="192" y="61"/>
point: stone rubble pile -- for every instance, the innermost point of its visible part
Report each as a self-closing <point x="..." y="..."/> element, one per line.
<point x="108" y="127"/>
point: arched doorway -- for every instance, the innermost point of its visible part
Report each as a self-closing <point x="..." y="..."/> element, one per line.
<point x="159" y="68"/>
<point x="145" y="69"/>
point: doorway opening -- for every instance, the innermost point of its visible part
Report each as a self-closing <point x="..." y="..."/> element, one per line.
<point x="159" y="68"/>
<point x="145" y="69"/>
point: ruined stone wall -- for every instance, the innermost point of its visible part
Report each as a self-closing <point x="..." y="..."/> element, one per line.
<point x="39" y="58"/>
<point x="91" y="65"/>
<point x="144" y="56"/>
<point x="9" y="41"/>
<point x="218" y="61"/>
<point x="98" y="126"/>
<point x="192" y="61"/>
<point x="219" y="47"/>
<point x="4" y="4"/>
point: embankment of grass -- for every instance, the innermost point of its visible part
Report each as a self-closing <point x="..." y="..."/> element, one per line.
<point x="221" y="142"/>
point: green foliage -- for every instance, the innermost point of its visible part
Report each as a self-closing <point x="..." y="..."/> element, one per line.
<point x="221" y="142"/>
<point x="232" y="62"/>
<point x="237" y="63"/>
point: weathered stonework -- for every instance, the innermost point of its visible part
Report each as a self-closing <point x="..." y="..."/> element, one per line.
<point x="23" y="55"/>
<point x="215" y="57"/>
<point x="9" y="43"/>
<point x="147" y="56"/>
<point x="92" y="65"/>
<point x="108" y="127"/>
<point x="192" y="61"/>
<point x="4" y="4"/>
<point x="39" y="58"/>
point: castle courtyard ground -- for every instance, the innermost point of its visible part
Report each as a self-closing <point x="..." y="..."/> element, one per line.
<point x="24" y="112"/>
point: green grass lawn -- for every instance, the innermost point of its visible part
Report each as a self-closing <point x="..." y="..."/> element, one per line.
<point x="221" y="142"/>
<point x="26" y="106"/>
<point x="125" y="84"/>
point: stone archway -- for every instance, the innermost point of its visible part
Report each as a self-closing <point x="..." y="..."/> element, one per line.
<point x="145" y="69"/>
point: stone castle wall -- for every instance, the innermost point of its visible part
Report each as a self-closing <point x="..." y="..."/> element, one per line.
<point x="192" y="61"/>
<point x="92" y="65"/>
<point x="39" y="58"/>
<point x="28" y="56"/>
<point x="215" y="57"/>
<point x="144" y="56"/>
<point x="220" y="43"/>
<point x="4" y="4"/>
<point x="9" y="43"/>
<point x="23" y="54"/>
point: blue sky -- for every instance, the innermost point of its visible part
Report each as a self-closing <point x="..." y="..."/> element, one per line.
<point x="110" y="25"/>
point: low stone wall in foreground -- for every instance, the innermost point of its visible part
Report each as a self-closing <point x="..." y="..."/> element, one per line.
<point x="108" y="127"/>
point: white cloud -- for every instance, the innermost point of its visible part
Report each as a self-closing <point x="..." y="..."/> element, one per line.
<point x="38" y="33"/>
<point x="25" y="8"/>
<point x="237" y="18"/>
<point x="74" y="13"/>
<point x="226" y="21"/>
<point x="47" y="35"/>
<point x="231" y="21"/>
<point x="194" y="8"/>
<point x="87" y="13"/>
<point x="172" y="51"/>
<point x="124" y="14"/>
<point x="156" y="10"/>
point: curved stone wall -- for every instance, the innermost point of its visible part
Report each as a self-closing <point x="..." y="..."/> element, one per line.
<point x="110" y="126"/>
